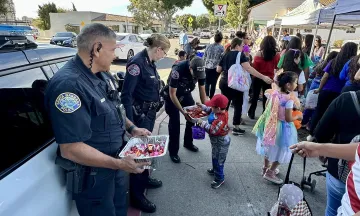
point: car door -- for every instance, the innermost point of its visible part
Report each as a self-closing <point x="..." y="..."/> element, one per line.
<point x="141" y="43"/>
<point x="28" y="175"/>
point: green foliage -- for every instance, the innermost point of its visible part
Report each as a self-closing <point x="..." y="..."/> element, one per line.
<point x="44" y="15"/>
<point x="183" y="22"/>
<point x="141" y="13"/>
<point x="71" y="28"/>
<point x="3" y="7"/>
<point x="203" y="21"/>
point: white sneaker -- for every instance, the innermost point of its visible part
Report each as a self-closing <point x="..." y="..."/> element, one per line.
<point x="271" y="176"/>
<point x="310" y="138"/>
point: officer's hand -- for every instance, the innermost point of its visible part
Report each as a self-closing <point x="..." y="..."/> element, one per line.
<point x="129" y="165"/>
<point x="140" y="132"/>
<point x="187" y="116"/>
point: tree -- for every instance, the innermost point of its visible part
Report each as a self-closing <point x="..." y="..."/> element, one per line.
<point x="63" y="10"/>
<point x="74" y="8"/>
<point x="144" y="11"/>
<point x="183" y="21"/>
<point x="203" y="21"/>
<point x="44" y="15"/>
<point x="3" y="7"/>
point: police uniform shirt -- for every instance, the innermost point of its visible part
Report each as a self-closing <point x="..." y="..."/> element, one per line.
<point x="141" y="84"/>
<point x="80" y="110"/>
<point x="182" y="79"/>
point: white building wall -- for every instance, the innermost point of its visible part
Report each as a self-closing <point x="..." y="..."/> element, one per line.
<point x="337" y="34"/>
<point x="268" y="10"/>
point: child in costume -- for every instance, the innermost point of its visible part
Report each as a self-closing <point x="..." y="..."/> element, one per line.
<point x="275" y="128"/>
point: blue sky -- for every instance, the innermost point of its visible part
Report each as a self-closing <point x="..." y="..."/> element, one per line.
<point x="23" y="8"/>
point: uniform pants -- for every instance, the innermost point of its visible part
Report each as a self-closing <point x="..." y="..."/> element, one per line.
<point x="211" y="81"/>
<point x="219" y="149"/>
<point x="324" y="100"/>
<point x="236" y="97"/>
<point x="104" y="194"/>
<point x="258" y="84"/>
<point x="174" y="124"/>
<point x="138" y="182"/>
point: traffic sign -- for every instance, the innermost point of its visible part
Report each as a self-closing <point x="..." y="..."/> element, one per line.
<point x="190" y="19"/>
<point x="82" y="23"/>
<point x="220" y="10"/>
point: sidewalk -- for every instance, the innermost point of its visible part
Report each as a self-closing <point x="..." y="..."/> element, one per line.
<point x="186" y="186"/>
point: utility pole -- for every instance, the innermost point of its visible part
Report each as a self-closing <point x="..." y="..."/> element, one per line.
<point x="240" y="16"/>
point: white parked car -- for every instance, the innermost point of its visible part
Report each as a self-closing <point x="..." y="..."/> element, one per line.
<point x="205" y="33"/>
<point x="146" y="34"/>
<point x="128" y="45"/>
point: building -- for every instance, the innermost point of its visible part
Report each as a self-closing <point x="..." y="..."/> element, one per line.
<point x="268" y="10"/>
<point x="75" y="20"/>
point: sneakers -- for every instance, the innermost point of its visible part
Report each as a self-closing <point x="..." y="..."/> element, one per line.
<point x="216" y="184"/>
<point x="277" y="171"/>
<point x="211" y="171"/>
<point x="271" y="176"/>
<point x="238" y="131"/>
<point x="310" y="138"/>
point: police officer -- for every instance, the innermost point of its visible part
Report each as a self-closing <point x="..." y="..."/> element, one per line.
<point x="141" y="99"/>
<point x="89" y="127"/>
<point x="181" y="82"/>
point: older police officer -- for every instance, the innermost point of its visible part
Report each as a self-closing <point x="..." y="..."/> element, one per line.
<point x="88" y="127"/>
<point x="141" y="99"/>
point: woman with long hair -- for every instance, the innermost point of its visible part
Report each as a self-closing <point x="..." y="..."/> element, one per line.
<point x="305" y="61"/>
<point x="226" y="62"/>
<point x="308" y="44"/>
<point x="318" y="51"/>
<point x="353" y="67"/>
<point x="330" y="85"/>
<point x="265" y="61"/>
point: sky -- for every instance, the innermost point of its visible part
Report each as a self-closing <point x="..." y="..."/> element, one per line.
<point x="25" y="8"/>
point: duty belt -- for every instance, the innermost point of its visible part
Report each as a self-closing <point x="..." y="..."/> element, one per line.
<point x="147" y="105"/>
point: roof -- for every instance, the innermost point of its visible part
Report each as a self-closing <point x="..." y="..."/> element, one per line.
<point x="119" y="18"/>
<point x="259" y="4"/>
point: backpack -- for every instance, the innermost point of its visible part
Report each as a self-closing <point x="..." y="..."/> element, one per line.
<point x="238" y="78"/>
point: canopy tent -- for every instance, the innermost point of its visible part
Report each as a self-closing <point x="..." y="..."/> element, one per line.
<point x="305" y="14"/>
<point x="274" y="22"/>
<point x="327" y="16"/>
<point x="348" y="7"/>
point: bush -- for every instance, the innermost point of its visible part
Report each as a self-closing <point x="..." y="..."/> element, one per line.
<point x="71" y="28"/>
<point x="338" y="43"/>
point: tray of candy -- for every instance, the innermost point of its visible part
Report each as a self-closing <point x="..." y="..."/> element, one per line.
<point x="145" y="148"/>
<point x="195" y="112"/>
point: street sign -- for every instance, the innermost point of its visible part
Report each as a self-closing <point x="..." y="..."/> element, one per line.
<point x="82" y="23"/>
<point x="190" y="19"/>
<point x="220" y="10"/>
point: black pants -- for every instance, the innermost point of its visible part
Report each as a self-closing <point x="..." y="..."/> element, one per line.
<point x="324" y="100"/>
<point x="211" y="81"/>
<point x="257" y="85"/>
<point x="138" y="181"/>
<point x="174" y="124"/>
<point x="236" y="97"/>
<point x="104" y="194"/>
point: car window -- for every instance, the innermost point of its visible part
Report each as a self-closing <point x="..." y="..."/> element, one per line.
<point x="63" y="34"/>
<point x="24" y="124"/>
<point x="132" y="38"/>
<point x="140" y="39"/>
<point x="54" y="68"/>
<point x="120" y="38"/>
<point x="61" y="64"/>
<point x="48" y="71"/>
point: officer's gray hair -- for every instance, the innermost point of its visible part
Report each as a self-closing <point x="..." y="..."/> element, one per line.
<point x="91" y="33"/>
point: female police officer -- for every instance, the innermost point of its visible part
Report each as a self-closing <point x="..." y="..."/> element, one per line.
<point x="141" y="99"/>
<point x="177" y="94"/>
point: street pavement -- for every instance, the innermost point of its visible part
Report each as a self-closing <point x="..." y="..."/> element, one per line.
<point x="186" y="187"/>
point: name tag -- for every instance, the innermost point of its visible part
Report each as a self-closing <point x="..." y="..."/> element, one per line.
<point x="152" y="77"/>
<point x="102" y="100"/>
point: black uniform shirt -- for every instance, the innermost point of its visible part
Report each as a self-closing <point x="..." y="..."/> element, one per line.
<point x="80" y="110"/>
<point x="141" y="84"/>
<point x="182" y="79"/>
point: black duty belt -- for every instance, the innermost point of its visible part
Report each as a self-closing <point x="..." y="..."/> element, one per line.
<point x="144" y="106"/>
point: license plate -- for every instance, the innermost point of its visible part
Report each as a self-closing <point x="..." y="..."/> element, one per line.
<point x="59" y="42"/>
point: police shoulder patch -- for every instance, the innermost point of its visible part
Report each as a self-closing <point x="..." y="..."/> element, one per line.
<point x="134" y="70"/>
<point x="68" y="102"/>
<point x="175" y="74"/>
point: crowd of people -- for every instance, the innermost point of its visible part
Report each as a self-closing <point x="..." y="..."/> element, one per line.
<point x="94" y="127"/>
<point x="285" y="75"/>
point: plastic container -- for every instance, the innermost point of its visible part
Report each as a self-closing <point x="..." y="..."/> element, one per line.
<point x="160" y="139"/>
<point x="194" y="120"/>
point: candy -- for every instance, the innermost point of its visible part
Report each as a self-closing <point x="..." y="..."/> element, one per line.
<point x="147" y="150"/>
<point x="196" y="112"/>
